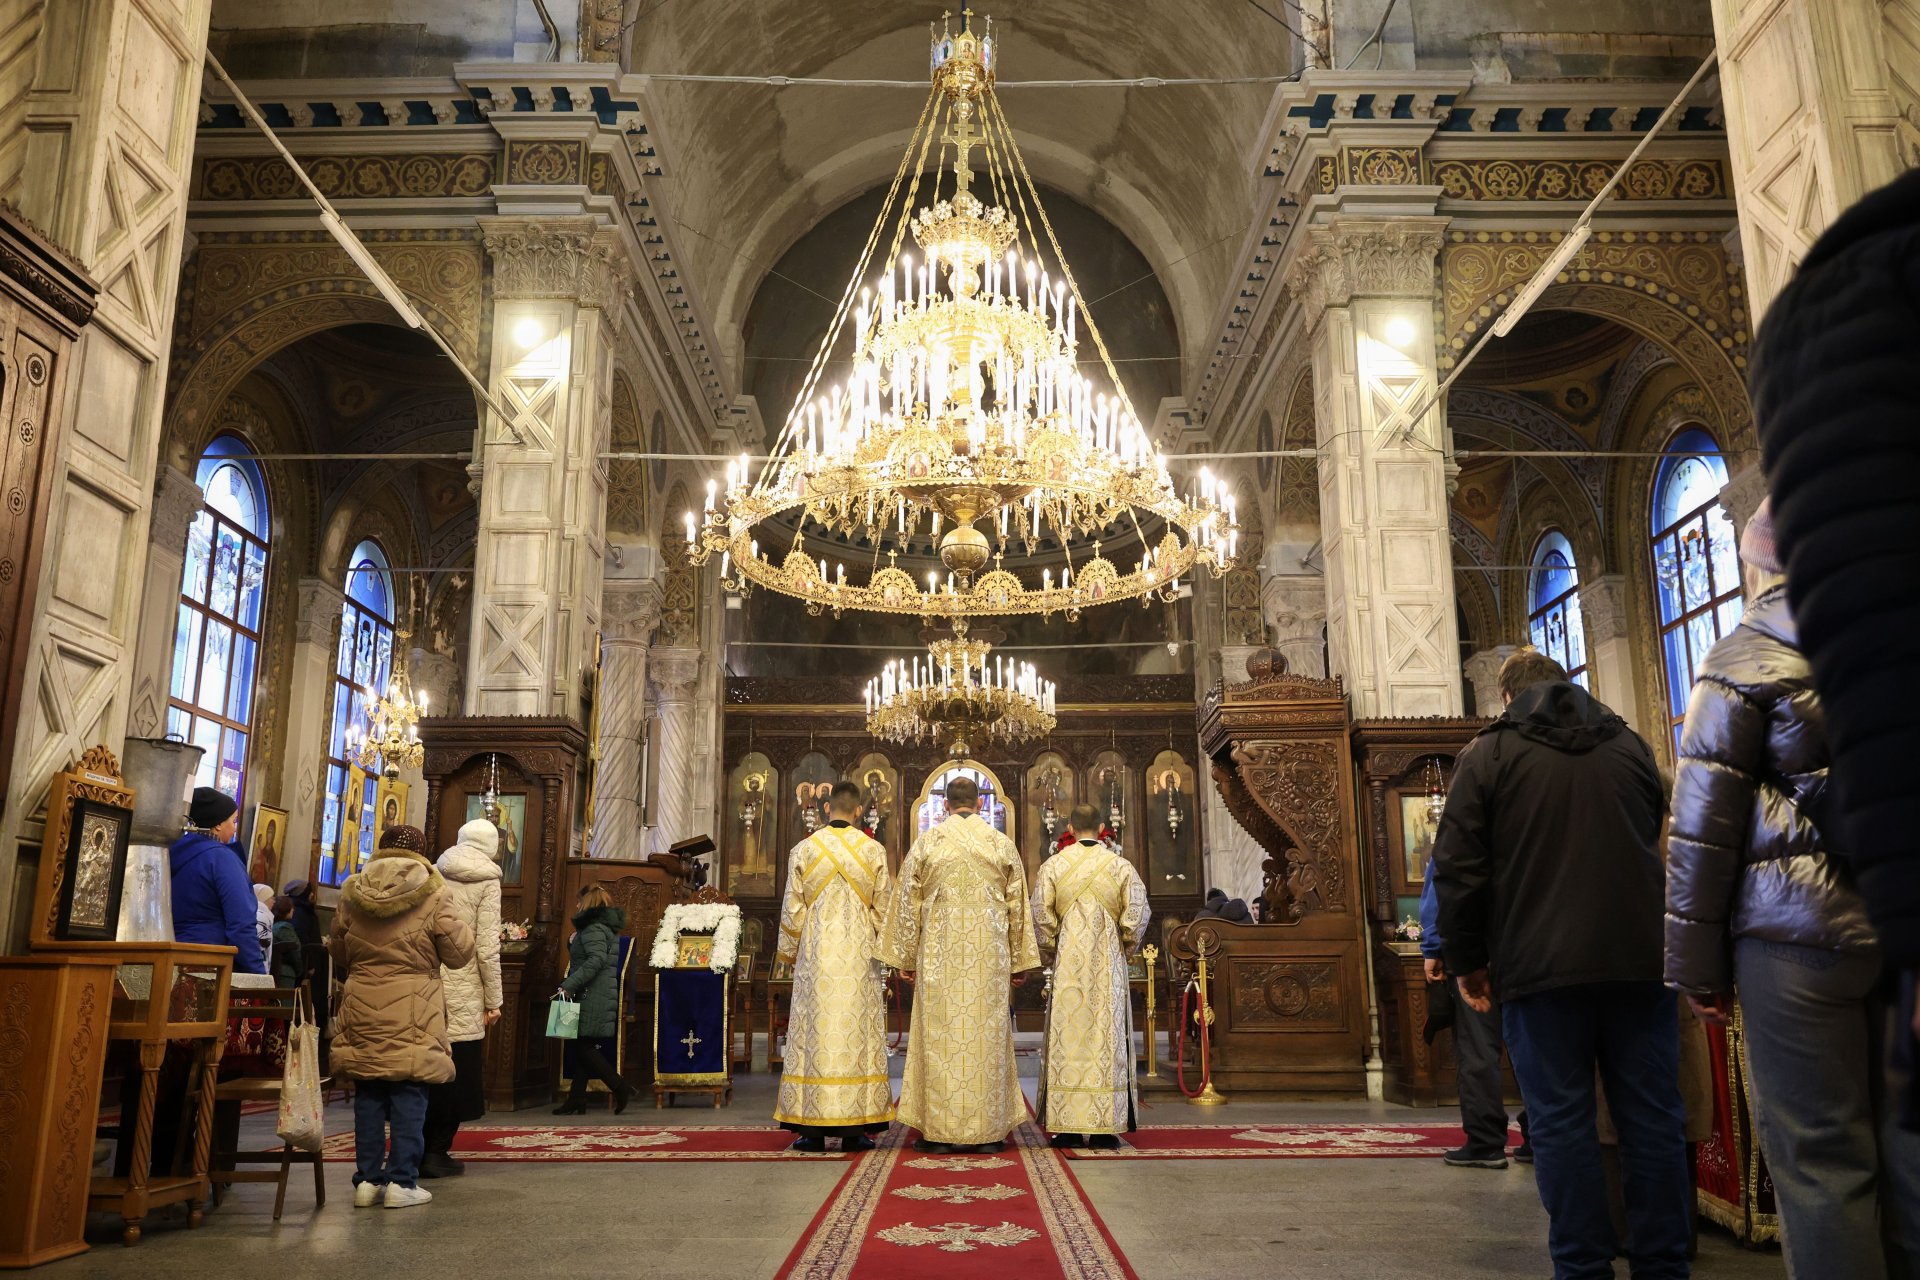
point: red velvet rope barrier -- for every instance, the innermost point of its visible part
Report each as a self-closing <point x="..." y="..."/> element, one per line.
<point x="1180" y="1049"/>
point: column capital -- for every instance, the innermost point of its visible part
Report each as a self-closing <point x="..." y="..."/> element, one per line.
<point x="674" y="671"/>
<point x="575" y="258"/>
<point x="177" y="500"/>
<point x="320" y="605"/>
<point x="630" y="610"/>
<point x="1483" y="670"/>
<point x="1354" y="257"/>
<point x="1741" y="496"/>
<point x="1603" y="608"/>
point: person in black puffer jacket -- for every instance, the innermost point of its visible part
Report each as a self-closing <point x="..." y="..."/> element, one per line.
<point x="1758" y="898"/>
<point x="1838" y="413"/>
<point x="593" y="978"/>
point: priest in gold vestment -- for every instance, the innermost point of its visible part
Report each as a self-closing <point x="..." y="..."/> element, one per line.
<point x="959" y="930"/>
<point x="1090" y="913"/>
<point x="834" y="1083"/>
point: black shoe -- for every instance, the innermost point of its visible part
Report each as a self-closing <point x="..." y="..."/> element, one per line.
<point x="1471" y="1158"/>
<point x="988" y="1148"/>
<point x="859" y="1142"/>
<point x="571" y="1108"/>
<point x="1524" y="1152"/>
<point x="810" y="1142"/>
<point x="622" y="1098"/>
<point x="1104" y="1142"/>
<point x="1063" y="1141"/>
<point x="933" y="1148"/>
<point x="438" y="1164"/>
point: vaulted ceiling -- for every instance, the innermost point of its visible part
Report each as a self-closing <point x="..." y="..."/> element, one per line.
<point x="757" y="166"/>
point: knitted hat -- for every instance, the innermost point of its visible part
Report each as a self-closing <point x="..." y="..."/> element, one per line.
<point x="1756" y="540"/>
<point x="410" y="839"/>
<point x="210" y="808"/>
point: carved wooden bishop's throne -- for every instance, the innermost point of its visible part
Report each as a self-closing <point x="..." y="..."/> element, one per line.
<point x="1289" y="996"/>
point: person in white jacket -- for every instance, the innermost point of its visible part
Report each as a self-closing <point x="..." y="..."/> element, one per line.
<point x="471" y="870"/>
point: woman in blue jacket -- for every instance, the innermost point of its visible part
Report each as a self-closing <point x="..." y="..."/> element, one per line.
<point x="213" y="902"/>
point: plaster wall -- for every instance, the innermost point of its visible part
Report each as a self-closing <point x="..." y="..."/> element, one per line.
<point x="292" y="39"/>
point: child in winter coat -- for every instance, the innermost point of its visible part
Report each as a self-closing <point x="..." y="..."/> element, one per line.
<point x="395" y="927"/>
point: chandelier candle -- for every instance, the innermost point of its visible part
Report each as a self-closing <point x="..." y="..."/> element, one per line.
<point x="964" y="404"/>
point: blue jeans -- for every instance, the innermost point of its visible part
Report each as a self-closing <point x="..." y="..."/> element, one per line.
<point x="376" y="1105"/>
<point x="1628" y="1030"/>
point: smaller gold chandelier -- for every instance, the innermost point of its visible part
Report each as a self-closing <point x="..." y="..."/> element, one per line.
<point x="391" y="740"/>
<point x="957" y="694"/>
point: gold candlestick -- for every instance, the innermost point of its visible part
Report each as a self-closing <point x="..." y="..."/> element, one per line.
<point x="1208" y="1095"/>
<point x="1150" y="953"/>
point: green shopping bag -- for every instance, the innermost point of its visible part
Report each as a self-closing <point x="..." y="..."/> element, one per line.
<point x="563" y="1019"/>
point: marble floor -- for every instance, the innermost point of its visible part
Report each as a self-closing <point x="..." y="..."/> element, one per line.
<point x="1332" y="1219"/>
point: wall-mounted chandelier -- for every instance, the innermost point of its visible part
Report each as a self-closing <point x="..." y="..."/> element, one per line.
<point x="956" y="694"/>
<point x="391" y="740"/>
<point x="964" y="420"/>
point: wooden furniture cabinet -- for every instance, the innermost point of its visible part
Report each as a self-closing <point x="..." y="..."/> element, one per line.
<point x="162" y="992"/>
<point x="53" y="1043"/>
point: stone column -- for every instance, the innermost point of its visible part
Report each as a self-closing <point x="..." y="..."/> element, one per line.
<point x="629" y="613"/>
<point x="675" y="677"/>
<point x="1366" y="288"/>
<point x="102" y="168"/>
<point x="316" y="641"/>
<point x="557" y="283"/>
<point x="1483" y="670"/>
<point x="1603" y="614"/>
<point x="177" y="500"/>
<point x="1296" y="610"/>
<point x="1820" y="109"/>
<point x="1233" y="661"/>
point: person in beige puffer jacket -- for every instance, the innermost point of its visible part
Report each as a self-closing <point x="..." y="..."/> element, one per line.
<point x="471" y="869"/>
<point x="395" y="927"/>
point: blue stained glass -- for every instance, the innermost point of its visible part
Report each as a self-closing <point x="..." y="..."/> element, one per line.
<point x="1555" y="623"/>
<point x="215" y="655"/>
<point x="240" y="687"/>
<point x="186" y="644"/>
<point x="1679" y="672"/>
<point x="178" y="722"/>
<point x="363" y="651"/>
<point x="193" y="574"/>
<point x="206" y="736"/>
<point x="252" y="579"/>
<point x="233" y="761"/>
<point x="233" y="485"/>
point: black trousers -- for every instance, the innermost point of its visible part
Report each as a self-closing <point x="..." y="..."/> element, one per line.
<point x="589" y="1061"/>
<point x="460" y="1099"/>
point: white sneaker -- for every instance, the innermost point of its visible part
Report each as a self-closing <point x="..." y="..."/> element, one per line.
<point x="367" y="1194"/>
<point x="399" y="1197"/>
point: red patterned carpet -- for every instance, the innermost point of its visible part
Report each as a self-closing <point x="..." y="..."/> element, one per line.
<point x="1229" y="1142"/>
<point x="612" y="1142"/>
<point x="898" y="1212"/>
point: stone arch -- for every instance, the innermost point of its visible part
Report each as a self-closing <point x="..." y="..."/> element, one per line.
<point x="247" y="296"/>
<point x="627" y="506"/>
<point x="679" y="579"/>
<point x="1680" y="289"/>
<point x="1474" y="585"/>
<point x="1297" y="494"/>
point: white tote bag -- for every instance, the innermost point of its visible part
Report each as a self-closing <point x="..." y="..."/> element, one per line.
<point x="302" y="1124"/>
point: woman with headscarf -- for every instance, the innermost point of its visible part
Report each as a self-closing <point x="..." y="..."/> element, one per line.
<point x="471" y="869"/>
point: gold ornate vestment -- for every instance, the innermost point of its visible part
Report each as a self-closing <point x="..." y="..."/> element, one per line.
<point x="959" y="923"/>
<point x="836" y="1061"/>
<point x="1090" y="912"/>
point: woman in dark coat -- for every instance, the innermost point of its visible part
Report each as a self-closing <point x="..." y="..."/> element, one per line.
<point x="593" y="978"/>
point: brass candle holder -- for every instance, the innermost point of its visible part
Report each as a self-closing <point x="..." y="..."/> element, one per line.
<point x="1208" y="1095"/>
<point x="1151" y="953"/>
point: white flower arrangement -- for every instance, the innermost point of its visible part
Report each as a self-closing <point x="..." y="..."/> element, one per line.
<point x="721" y="919"/>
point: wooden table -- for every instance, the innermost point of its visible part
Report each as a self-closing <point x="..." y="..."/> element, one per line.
<point x="162" y="992"/>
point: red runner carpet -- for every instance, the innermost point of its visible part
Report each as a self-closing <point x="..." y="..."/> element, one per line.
<point x="611" y="1142"/>
<point x="1294" y="1141"/>
<point x="898" y="1212"/>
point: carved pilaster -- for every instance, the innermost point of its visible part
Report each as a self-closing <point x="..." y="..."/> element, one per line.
<point x="1741" y="496"/>
<point x="1483" y="670"/>
<point x="319" y="619"/>
<point x="177" y="501"/>
<point x="435" y="674"/>
<point x="574" y="258"/>
<point x="630" y="612"/>
<point x="1296" y="611"/>
<point x="675" y="676"/>
<point x="1603" y="608"/>
<point x="1365" y="257"/>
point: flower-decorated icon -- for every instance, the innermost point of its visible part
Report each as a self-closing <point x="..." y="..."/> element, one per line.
<point x="958" y="1192"/>
<point x="957" y="1237"/>
<point x="586" y="1139"/>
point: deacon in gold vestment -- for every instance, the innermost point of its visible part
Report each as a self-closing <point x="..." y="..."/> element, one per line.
<point x="835" y="1079"/>
<point x="959" y="930"/>
<point x="1090" y="912"/>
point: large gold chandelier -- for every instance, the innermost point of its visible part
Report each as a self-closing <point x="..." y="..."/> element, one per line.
<point x="956" y="694"/>
<point x="964" y="407"/>
<point x="391" y="739"/>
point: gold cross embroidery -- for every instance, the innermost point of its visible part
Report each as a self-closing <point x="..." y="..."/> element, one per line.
<point x="690" y="1041"/>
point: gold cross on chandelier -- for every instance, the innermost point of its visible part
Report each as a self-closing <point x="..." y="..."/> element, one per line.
<point x="690" y="1041"/>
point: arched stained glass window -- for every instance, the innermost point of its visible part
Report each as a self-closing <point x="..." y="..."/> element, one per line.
<point x="363" y="661"/>
<point x="1696" y="562"/>
<point x="216" y="636"/>
<point x="1553" y="601"/>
